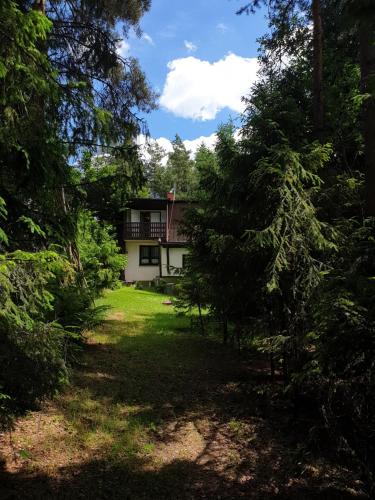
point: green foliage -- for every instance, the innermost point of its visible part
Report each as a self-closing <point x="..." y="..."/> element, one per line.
<point x="101" y="261"/>
<point x="32" y="357"/>
<point x="3" y="213"/>
<point x="280" y="231"/>
<point x="102" y="91"/>
<point x="344" y="331"/>
<point x="294" y="232"/>
<point x="24" y="70"/>
<point x="64" y="88"/>
<point x="179" y="171"/>
<point x="157" y="177"/>
<point x="190" y="291"/>
<point x="107" y="182"/>
<point x="272" y="251"/>
<point x="279" y="244"/>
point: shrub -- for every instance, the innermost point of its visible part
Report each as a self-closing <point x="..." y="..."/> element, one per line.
<point x="101" y="260"/>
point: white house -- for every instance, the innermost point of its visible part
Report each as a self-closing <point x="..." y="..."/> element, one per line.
<point x="153" y="242"/>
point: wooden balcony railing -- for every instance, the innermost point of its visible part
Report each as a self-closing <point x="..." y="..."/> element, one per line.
<point x="152" y="231"/>
<point x="145" y="230"/>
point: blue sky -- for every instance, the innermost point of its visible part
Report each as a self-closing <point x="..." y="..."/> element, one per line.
<point x="200" y="56"/>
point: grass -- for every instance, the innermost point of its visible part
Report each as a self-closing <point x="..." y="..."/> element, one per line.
<point x="144" y="313"/>
<point x="134" y="369"/>
<point x="155" y="411"/>
<point x="141" y="368"/>
<point x="126" y="373"/>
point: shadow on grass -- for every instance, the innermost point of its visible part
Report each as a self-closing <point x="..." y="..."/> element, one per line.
<point x="180" y="480"/>
<point x="131" y="387"/>
<point x="161" y="365"/>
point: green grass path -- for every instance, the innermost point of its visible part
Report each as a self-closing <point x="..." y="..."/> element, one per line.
<point x="155" y="411"/>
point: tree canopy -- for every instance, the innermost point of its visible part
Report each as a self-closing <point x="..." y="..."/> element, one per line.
<point x="68" y="97"/>
<point x="281" y="239"/>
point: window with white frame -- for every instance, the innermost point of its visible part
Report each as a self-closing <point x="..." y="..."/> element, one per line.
<point x="149" y="255"/>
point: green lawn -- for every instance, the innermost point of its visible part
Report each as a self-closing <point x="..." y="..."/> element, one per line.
<point x="157" y="412"/>
<point x="144" y="313"/>
<point x="141" y="368"/>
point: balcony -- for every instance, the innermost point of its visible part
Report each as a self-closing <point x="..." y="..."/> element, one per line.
<point x="145" y="230"/>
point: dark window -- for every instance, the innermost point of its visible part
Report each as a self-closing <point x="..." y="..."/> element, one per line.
<point x="149" y="217"/>
<point x="149" y="255"/>
<point x="145" y="217"/>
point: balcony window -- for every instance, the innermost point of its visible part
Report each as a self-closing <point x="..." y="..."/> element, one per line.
<point x="149" y="255"/>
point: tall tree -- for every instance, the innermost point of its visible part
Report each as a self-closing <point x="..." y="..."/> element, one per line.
<point x="286" y="22"/>
<point x="317" y="66"/>
<point x="181" y="168"/>
<point x="179" y="171"/>
<point x="365" y="11"/>
<point x="103" y="87"/>
<point x="65" y="88"/>
<point x="158" y="178"/>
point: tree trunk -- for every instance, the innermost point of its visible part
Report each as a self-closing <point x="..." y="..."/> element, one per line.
<point x="225" y="330"/>
<point x="238" y="331"/>
<point x="317" y="68"/>
<point x="285" y="367"/>
<point x="201" y="318"/>
<point x="272" y="366"/>
<point x="367" y="56"/>
<point x="40" y="5"/>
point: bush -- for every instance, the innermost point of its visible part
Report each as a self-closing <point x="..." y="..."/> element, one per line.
<point x="161" y="286"/>
<point x="33" y="349"/>
<point x="33" y="365"/>
<point x="100" y="256"/>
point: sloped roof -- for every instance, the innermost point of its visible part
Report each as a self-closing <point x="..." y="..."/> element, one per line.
<point x="152" y="203"/>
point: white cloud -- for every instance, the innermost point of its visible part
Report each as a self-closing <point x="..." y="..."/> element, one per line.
<point x="191" y="47"/>
<point x="193" y="145"/>
<point x="223" y="28"/>
<point x="142" y="141"/>
<point x="147" y="38"/>
<point x="199" y="89"/>
<point x="166" y="144"/>
<point x="123" y="48"/>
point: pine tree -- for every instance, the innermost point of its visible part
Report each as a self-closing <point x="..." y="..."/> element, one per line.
<point x="181" y="169"/>
<point x="157" y="176"/>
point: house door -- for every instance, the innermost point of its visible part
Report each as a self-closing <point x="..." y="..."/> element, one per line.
<point x="145" y="229"/>
<point x="150" y="224"/>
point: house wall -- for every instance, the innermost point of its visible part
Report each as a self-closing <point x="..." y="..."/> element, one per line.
<point x="175" y="217"/>
<point x="135" y="272"/>
<point x="175" y="260"/>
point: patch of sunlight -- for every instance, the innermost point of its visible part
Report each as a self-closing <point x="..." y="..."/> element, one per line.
<point x="185" y="443"/>
<point x="148" y="448"/>
<point x="90" y="405"/>
<point x="114" y="430"/>
<point x="98" y="439"/>
<point x="101" y="375"/>
<point x="109" y="337"/>
<point x="124" y="448"/>
<point x="126" y="411"/>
